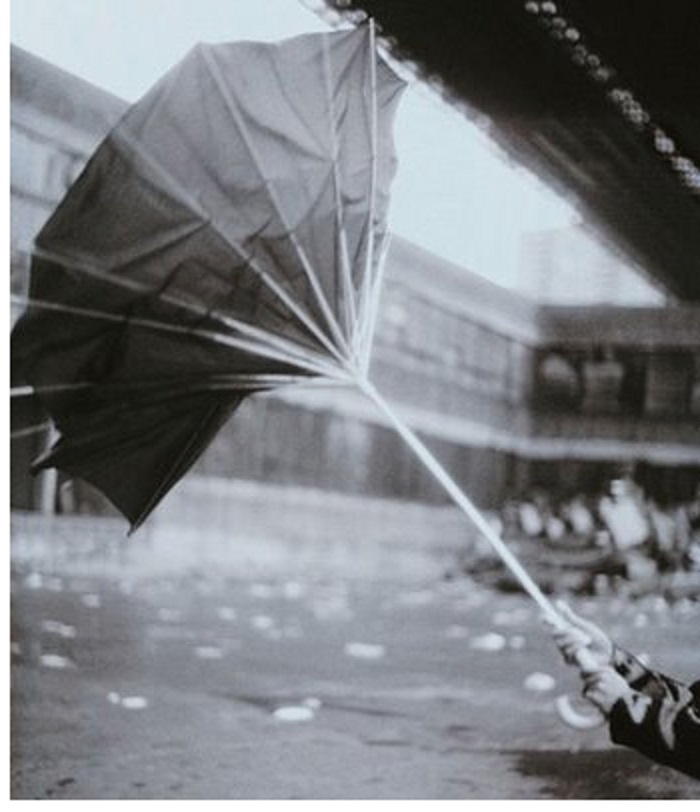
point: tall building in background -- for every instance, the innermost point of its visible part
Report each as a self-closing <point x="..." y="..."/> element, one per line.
<point x="571" y="266"/>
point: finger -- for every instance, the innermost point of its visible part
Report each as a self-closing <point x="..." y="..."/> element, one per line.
<point x="569" y="646"/>
<point x="592" y="678"/>
<point x="595" y="697"/>
<point x="572" y="637"/>
<point x="553" y="621"/>
<point x="587" y="662"/>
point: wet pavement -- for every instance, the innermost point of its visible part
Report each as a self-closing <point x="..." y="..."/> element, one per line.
<point x="212" y="687"/>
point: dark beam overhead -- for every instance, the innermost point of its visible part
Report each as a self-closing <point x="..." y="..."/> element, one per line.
<point x="599" y="97"/>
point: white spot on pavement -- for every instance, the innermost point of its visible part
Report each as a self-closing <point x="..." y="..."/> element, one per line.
<point x="55" y="661"/>
<point x="294" y="713"/>
<point x="58" y="628"/>
<point x="209" y="652"/>
<point x="34" y="580"/>
<point x="293" y="590"/>
<point x="134" y="702"/>
<point x="365" y="651"/>
<point x="539" y="682"/>
<point x="489" y="642"/>
<point x="262" y="623"/>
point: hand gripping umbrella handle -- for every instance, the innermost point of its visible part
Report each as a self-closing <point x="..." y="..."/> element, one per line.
<point x="564" y="704"/>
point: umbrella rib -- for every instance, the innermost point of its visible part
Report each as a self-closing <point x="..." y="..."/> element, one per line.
<point x="163" y="486"/>
<point x="217" y="338"/>
<point x="230" y="104"/>
<point x="182" y="195"/>
<point x="268" y="338"/>
<point x="310" y="363"/>
<point x="216" y="383"/>
<point x="293" y="352"/>
<point x="19" y="434"/>
<point x="242" y="380"/>
<point x="156" y="244"/>
<point x="53" y="388"/>
<point x="373" y="306"/>
<point x="346" y="276"/>
<point x="367" y="281"/>
<point x="90" y="269"/>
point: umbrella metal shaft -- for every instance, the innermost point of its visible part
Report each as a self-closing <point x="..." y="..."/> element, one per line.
<point x="460" y="499"/>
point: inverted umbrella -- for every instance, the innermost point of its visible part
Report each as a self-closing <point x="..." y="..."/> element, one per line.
<point x="226" y="238"/>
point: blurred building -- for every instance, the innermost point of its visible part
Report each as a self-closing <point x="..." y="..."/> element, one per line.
<point x="509" y="393"/>
<point x="571" y="266"/>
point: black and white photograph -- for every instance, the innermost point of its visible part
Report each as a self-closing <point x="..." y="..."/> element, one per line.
<point x="354" y="360"/>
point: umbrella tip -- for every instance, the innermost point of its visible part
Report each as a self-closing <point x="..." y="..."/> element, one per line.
<point x="135" y="526"/>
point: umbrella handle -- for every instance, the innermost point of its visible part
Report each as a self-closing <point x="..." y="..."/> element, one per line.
<point x="575" y="718"/>
<point x="568" y="713"/>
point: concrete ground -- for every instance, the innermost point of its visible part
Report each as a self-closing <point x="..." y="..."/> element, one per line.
<point x="203" y="686"/>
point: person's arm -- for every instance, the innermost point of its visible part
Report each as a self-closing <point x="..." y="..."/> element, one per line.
<point x="659" y="717"/>
<point x="654" y="714"/>
<point x="639" y="676"/>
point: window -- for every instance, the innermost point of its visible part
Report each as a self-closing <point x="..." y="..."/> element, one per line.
<point x="669" y="382"/>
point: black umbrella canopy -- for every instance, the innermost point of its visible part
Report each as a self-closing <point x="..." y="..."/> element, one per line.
<point x="224" y="239"/>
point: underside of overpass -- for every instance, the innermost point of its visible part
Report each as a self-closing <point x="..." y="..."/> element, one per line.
<point x="601" y="99"/>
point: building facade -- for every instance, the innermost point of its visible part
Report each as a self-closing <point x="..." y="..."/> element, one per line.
<point x="572" y="266"/>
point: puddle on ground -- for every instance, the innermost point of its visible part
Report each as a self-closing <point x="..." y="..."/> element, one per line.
<point x="364" y="710"/>
<point x="460" y="731"/>
<point x="619" y="774"/>
<point x="387" y="742"/>
<point x="270" y="703"/>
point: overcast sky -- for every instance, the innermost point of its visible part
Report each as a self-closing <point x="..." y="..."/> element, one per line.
<point x="453" y="194"/>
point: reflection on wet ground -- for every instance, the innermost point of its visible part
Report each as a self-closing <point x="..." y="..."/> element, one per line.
<point x="618" y="774"/>
<point x="208" y="687"/>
